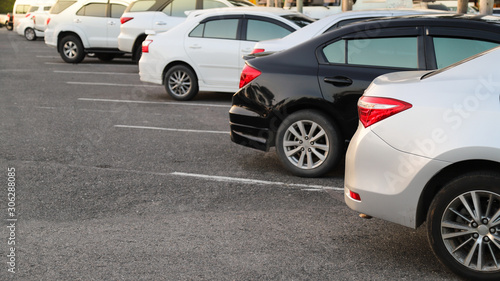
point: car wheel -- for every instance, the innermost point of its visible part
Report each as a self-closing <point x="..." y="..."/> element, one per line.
<point x="105" y="56"/>
<point x="9" y="27"/>
<point x="464" y="226"/>
<point x="30" y="34"/>
<point x="71" y="49"/>
<point x="181" y="83"/>
<point x="137" y="54"/>
<point x="308" y="143"/>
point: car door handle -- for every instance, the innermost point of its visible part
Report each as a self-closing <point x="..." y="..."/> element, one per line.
<point x="339" y="81"/>
<point x="111" y="23"/>
<point x="246" y="50"/>
<point x="160" y="23"/>
<point x="77" y="20"/>
<point x="195" y="46"/>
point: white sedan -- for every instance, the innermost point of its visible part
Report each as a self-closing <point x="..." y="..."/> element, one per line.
<point x="331" y="23"/>
<point x="205" y="53"/>
<point x="427" y="148"/>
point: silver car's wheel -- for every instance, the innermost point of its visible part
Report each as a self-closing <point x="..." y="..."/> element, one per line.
<point x="464" y="226"/>
<point x="308" y="143"/>
<point x="181" y="83"/>
<point x="71" y="49"/>
<point x="29" y="34"/>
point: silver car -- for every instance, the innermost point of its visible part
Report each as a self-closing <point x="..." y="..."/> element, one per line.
<point x="428" y="149"/>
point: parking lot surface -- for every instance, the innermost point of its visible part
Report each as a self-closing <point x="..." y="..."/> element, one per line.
<point x="114" y="180"/>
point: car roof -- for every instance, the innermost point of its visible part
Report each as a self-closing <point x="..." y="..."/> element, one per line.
<point x="241" y="10"/>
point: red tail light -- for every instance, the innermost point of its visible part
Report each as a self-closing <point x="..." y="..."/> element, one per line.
<point x="145" y="45"/>
<point x="248" y="74"/>
<point x="374" y="109"/>
<point x="255" y="51"/>
<point x="125" y="19"/>
<point x="48" y="20"/>
<point x="354" y="195"/>
<point x="27" y="15"/>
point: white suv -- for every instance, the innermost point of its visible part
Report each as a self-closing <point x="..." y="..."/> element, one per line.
<point x="76" y="28"/>
<point x="160" y="16"/>
<point x="34" y="23"/>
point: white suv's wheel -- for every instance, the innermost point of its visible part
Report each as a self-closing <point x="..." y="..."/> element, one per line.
<point x="29" y="34"/>
<point x="464" y="225"/>
<point x="71" y="49"/>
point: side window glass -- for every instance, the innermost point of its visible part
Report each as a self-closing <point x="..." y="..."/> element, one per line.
<point x="335" y="52"/>
<point x="209" y="4"/>
<point x="451" y="50"/>
<point x="258" y="30"/>
<point x="117" y="10"/>
<point x="93" y="10"/>
<point x="47" y="8"/>
<point x="198" y="31"/>
<point x="168" y="9"/>
<point x="221" y="29"/>
<point x="180" y="6"/>
<point x="390" y="52"/>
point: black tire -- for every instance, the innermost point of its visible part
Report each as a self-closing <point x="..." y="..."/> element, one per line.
<point x="71" y="49"/>
<point x="29" y="34"/>
<point x="137" y="54"/>
<point x="461" y="225"/>
<point x="181" y="83"/>
<point x="105" y="56"/>
<point x="9" y="27"/>
<point x="313" y="150"/>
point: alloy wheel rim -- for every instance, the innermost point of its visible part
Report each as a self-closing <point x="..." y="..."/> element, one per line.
<point x="306" y="144"/>
<point x="30" y="34"/>
<point x="70" y="50"/>
<point x="470" y="230"/>
<point x="179" y="83"/>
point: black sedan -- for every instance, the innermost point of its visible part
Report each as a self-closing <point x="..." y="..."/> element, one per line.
<point x="303" y="100"/>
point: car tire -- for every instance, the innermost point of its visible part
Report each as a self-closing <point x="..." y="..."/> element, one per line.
<point x="137" y="54"/>
<point x="105" y="56"/>
<point x="29" y="34"/>
<point x="9" y="27"/>
<point x="71" y="49"/>
<point x="181" y="83"/>
<point x="463" y="228"/>
<point x="308" y="143"/>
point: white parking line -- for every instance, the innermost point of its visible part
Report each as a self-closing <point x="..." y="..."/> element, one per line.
<point x="93" y="72"/>
<point x="305" y="187"/>
<point x="156" y="102"/>
<point x="171" y="129"/>
<point x="112" y="84"/>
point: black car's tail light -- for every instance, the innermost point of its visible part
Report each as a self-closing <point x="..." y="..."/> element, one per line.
<point x="248" y="74"/>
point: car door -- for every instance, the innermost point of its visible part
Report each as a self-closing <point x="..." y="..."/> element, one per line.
<point x="348" y="65"/>
<point x="91" y="19"/>
<point x="172" y="14"/>
<point x="214" y="50"/>
<point x="113" y="24"/>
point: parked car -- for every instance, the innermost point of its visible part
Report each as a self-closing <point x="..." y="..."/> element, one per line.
<point x="205" y="52"/>
<point x="19" y="11"/>
<point x="9" y="22"/>
<point x="328" y="24"/>
<point x="33" y="24"/>
<point x="76" y="28"/>
<point x="304" y="100"/>
<point x="427" y="149"/>
<point x="160" y="16"/>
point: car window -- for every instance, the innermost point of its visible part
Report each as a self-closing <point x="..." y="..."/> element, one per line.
<point x="240" y="3"/>
<point x="447" y="53"/>
<point x="179" y="7"/>
<point x="22" y="9"/>
<point x="117" y="10"/>
<point x="298" y="19"/>
<point x="47" y="8"/>
<point x="258" y="30"/>
<point x="93" y="10"/>
<point x="209" y="4"/>
<point x="141" y="6"/>
<point x="387" y="52"/>
<point x="60" y="6"/>
<point x="33" y="9"/>
<point x="222" y="29"/>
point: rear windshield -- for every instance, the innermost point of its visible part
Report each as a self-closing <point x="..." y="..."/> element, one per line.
<point x="299" y="19"/>
<point x="60" y="6"/>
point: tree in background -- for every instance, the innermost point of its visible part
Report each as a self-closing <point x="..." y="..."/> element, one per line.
<point x="6" y="6"/>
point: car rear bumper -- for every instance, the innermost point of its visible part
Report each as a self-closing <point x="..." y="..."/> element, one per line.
<point x="389" y="182"/>
<point x="249" y="129"/>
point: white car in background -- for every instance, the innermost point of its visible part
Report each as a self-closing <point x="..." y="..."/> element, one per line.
<point x="160" y="16"/>
<point x="428" y="149"/>
<point x="205" y="53"/>
<point x="76" y="28"/>
<point x="328" y="24"/>
<point x="34" y="23"/>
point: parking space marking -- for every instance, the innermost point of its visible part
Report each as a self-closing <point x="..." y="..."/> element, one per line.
<point x="305" y="187"/>
<point x="171" y="129"/>
<point x="156" y="102"/>
<point x="93" y="72"/>
<point x="112" y="84"/>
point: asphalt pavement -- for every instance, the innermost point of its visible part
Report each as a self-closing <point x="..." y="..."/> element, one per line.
<point x="108" y="178"/>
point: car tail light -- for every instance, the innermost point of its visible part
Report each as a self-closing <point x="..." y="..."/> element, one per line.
<point x="48" y="20"/>
<point x="27" y="15"/>
<point x="145" y="45"/>
<point x="248" y="74"/>
<point x="125" y="19"/>
<point x="374" y="109"/>
<point x="255" y="51"/>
